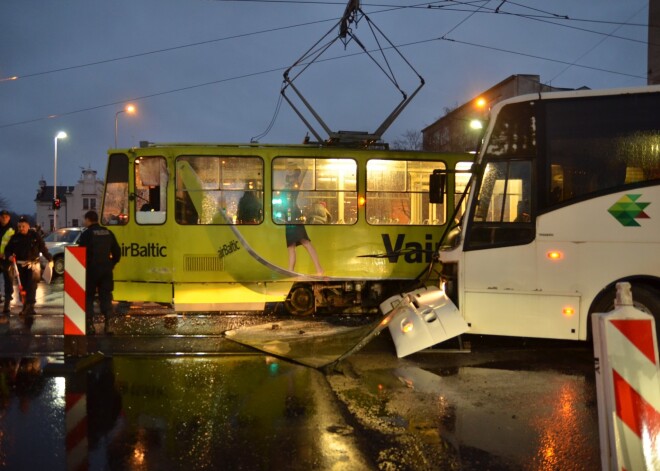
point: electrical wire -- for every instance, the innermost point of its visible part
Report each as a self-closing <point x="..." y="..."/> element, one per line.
<point x="10" y="78"/>
<point x="278" y="106"/>
<point x="594" y="46"/>
<point x="467" y="18"/>
<point x="426" y="5"/>
<point x="522" y="54"/>
<point x="447" y="8"/>
<point x="577" y="28"/>
<point x="168" y="49"/>
<point x="280" y="69"/>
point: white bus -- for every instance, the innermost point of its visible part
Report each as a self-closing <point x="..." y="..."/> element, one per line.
<point x="564" y="204"/>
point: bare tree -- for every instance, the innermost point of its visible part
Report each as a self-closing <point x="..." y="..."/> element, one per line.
<point x="409" y="140"/>
<point x="4" y="202"/>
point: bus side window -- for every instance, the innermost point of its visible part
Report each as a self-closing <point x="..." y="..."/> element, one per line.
<point x="151" y="179"/>
<point x="503" y="215"/>
<point x="594" y="146"/>
<point x="115" y="198"/>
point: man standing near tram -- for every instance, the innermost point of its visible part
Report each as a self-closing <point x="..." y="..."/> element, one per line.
<point x="103" y="253"/>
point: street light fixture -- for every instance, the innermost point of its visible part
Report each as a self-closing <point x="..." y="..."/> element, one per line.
<point x="60" y="135"/>
<point x="130" y="109"/>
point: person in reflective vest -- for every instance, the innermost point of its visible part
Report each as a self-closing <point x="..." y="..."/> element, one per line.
<point x="103" y="253"/>
<point x="6" y="231"/>
<point x="25" y="246"/>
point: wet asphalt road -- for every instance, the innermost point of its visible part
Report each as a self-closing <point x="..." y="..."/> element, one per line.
<point x="498" y="404"/>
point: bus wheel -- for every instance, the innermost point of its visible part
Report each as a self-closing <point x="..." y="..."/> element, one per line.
<point x="301" y="301"/>
<point x="645" y="298"/>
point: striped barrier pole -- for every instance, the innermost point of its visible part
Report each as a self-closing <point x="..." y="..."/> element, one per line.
<point x="74" y="301"/>
<point x="628" y="386"/>
<point x="75" y="419"/>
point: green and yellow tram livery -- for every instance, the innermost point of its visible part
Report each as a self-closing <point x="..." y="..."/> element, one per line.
<point x="220" y="227"/>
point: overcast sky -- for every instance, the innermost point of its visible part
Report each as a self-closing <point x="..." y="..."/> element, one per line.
<point x="226" y="88"/>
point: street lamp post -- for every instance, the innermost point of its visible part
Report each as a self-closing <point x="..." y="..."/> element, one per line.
<point x="130" y="109"/>
<point x="60" y="135"/>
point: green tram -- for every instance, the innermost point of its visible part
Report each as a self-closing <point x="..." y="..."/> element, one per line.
<point x="249" y="227"/>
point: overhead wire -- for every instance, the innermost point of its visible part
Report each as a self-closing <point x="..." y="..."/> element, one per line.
<point x="278" y="106"/>
<point x="388" y="8"/>
<point x="598" y="69"/>
<point x="162" y="50"/>
<point x="533" y="18"/>
<point x="594" y="46"/>
<point x="280" y="69"/>
<point x="446" y="7"/>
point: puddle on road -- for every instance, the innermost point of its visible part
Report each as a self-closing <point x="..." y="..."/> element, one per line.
<point x="473" y="417"/>
<point x="258" y="412"/>
<point x="242" y="412"/>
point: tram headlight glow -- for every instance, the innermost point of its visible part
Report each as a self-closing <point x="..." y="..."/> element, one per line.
<point x="568" y="311"/>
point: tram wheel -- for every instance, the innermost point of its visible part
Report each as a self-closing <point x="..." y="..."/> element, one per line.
<point x="301" y="301"/>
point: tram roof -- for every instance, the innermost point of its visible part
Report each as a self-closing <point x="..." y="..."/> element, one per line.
<point x="256" y="145"/>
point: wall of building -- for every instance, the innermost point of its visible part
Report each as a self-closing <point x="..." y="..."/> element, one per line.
<point x="452" y="133"/>
<point x="75" y="201"/>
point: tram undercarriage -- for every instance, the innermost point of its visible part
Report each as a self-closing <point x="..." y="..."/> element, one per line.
<point x="341" y="297"/>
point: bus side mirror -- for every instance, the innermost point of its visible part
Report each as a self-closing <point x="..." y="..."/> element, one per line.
<point x="437" y="183"/>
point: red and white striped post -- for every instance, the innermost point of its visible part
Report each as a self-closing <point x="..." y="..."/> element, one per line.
<point x="75" y="262"/>
<point x="76" y="429"/>
<point x="628" y="386"/>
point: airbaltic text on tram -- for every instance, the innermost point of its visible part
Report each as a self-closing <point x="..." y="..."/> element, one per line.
<point x="147" y="250"/>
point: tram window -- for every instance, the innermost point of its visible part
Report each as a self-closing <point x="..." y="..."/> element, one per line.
<point x="463" y="174"/>
<point x="219" y="190"/>
<point x="115" y="198"/>
<point x="398" y="193"/>
<point x="314" y="191"/>
<point x="150" y="190"/>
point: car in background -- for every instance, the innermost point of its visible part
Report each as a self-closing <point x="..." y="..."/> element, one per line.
<point x="57" y="241"/>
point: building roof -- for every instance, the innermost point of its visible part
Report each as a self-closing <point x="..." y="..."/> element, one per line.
<point x="529" y="77"/>
<point x="45" y="193"/>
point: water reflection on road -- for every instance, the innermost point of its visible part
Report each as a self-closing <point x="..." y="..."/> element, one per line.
<point x="242" y="412"/>
<point x="253" y="412"/>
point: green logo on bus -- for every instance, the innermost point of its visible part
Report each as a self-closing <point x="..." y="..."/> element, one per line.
<point x="627" y="209"/>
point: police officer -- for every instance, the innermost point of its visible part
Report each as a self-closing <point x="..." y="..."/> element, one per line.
<point x="6" y="231"/>
<point x="26" y="246"/>
<point x="103" y="253"/>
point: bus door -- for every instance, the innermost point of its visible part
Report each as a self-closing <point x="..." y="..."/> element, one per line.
<point x="502" y="293"/>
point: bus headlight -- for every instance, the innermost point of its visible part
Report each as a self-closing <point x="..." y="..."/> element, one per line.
<point x="406" y="325"/>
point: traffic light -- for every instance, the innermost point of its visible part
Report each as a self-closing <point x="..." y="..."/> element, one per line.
<point x="57" y="203"/>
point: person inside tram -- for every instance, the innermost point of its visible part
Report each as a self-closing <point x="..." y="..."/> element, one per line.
<point x="320" y="214"/>
<point x="250" y="209"/>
